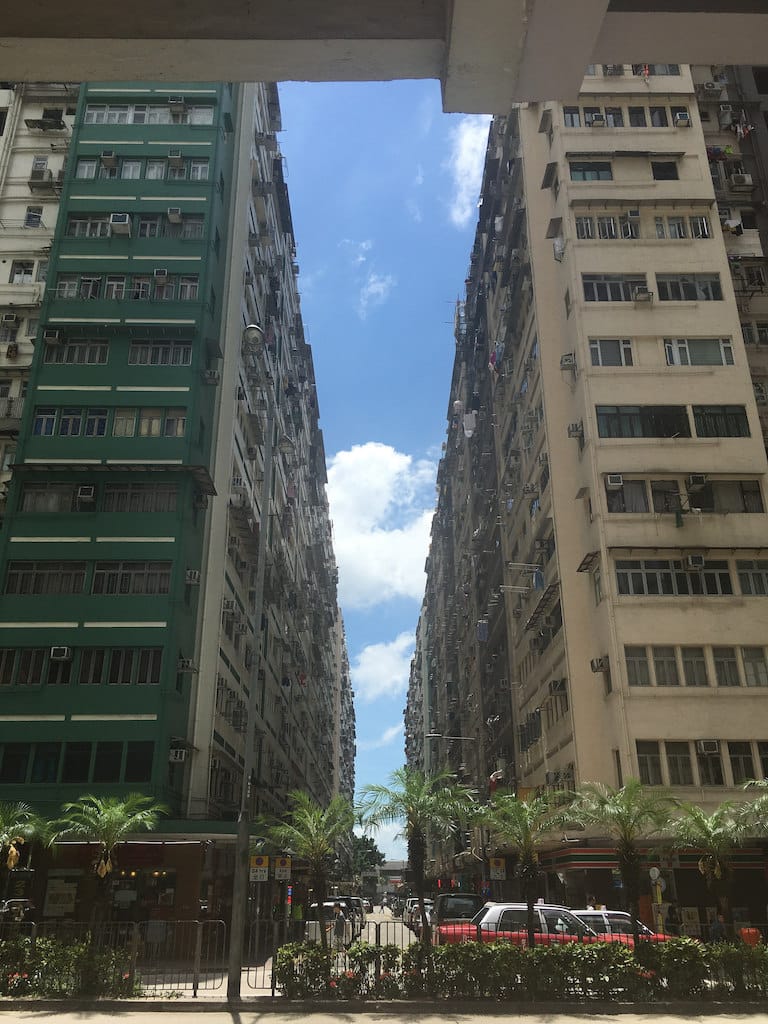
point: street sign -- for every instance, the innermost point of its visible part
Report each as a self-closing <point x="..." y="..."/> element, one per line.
<point x="498" y="869"/>
<point x="282" y="869"/>
<point x="259" y="868"/>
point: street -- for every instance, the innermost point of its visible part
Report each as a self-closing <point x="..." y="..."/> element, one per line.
<point x="257" y="1015"/>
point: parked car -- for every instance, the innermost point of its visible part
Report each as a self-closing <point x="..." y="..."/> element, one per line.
<point x="410" y="902"/>
<point x="313" y="923"/>
<point x="617" y="925"/>
<point x="508" y="921"/>
<point x="411" y="912"/>
<point x="454" y="908"/>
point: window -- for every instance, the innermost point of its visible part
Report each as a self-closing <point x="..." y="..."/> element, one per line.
<point x="177" y="172"/>
<point x="107" y="761"/>
<point x="45" y="577"/>
<point x="665" y="495"/>
<point x="30" y="668"/>
<point x="611" y="351"/>
<point x="66" y="286"/>
<point x="590" y="170"/>
<point x="585" y="227"/>
<point x="70" y="422"/>
<point x="124" y="423"/>
<point x="698" y="351"/>
<point x="175" y="423"/>
<point x="679" y="763"/>
<point x="753" y="577"/>
<point x="51" y="497"/>
<point x="149" y="227"/>
<point x="755" y="667"/>
<point x="192" y="226"/>
<point x="649" y="762"/>
<point x="614" y="117"/>
<point x="165" y="289"/>
<point x="138" y="760"/>
<point x="22" y="272"/>
<point x="120" y="666"/>
<point x="45" y="763"/>
<point x="130" y="169"/>
<point x="637" y="117"/>
<point x="155" y="170"/>
<point x="632" y="496"/>
<point x="694" y="666"/>
<point x="642" y="421"/>
<point x="58" y="673"/>
<point x="86" y="167"/>
<point x="131" y="578"/>
<point x="77" y="762"/>
<point x="141" y="287"/>
<point x="700" y="227"/>
<point x="115" y="287"/>
<point x="33" y="218"/>
<point x="7" y="663"/>
<point x="748" y="334"/>
<point x="665" y="666"/>
<point x="676" y="227"/>
<point x="671" y="577"/>
<point x="740" y="756"/>
<point x="150" y="663"/>
<point x="664" y="170"/>
<point x="720" y="421"/>
<point x="90" y="288"/>
<point x="198" y="169"/>
<point x="91" y="666"/>
<point x="727" y="496"/>
<point x="762" y="753"/>
<point x="135" y="497"/>
<point x="689" y="287"/>
<point x="606" y="227"/>
<point x="95" y="422"/>
<point x="629" y="227"/>
<point x="611" y="287"/>
<point x="15" y="761"/>
<point x="188" y="287"/>
<point x="571" y="117"/>
<point x="44" y="421"/>
<point x="658" y="116"/>
<point x="638" y="671"/>
<point x="84" y="226"/>
<point x="590" y="113"/>
<point x="86" y="352"/>
<point x="150" y="422"/>
<point x="710" y="768"/>
<point x="726" y="666"/>
<point x="160" y="354"/>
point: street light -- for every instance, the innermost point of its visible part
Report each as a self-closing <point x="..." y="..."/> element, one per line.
<point x="253" y="334"/>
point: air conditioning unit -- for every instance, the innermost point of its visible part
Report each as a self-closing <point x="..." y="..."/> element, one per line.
<point x="599" y="664"/>
<point x="211" y="376"/>
<point x="713" y="88"/>
<point x="530" y="489"/>
<point x="543" y="459"/>
<point x="10" y="318"/>
<point x="173" y="214"/>
<point x="185" y="665"/>
<point x="696" y="481"/>
<point x="614" y="481"/>
<point x="120" y="223"/>
<point x="241" y="628"/>
<point x="252" y="451"/>
<point x="176" y="103"/>
<point x="229" y="606"/>
<point x="575" y="430"/>
<point x="598" y="121"/>
<point x="86" y="493"/>
<point x="238" y="484"/>
<point x="741" y="181"/>
<point x="108" y="158"/>
<point x="695" y="561"/>
<point x="61" y="654"/>
<point x="192" y="577"/>
<point x="51" y="336"/>
<point x="708" y="746"/>
<point x="558" y="249"/>
<point x="160" y="273"/>
<point x="633" y="213"/>
<point x="642" y="295"/>
<point x="682" y="120"/>
<point x="568" y="361"/>
<point x="175" y="158"/>
<point x="177" y="755"/>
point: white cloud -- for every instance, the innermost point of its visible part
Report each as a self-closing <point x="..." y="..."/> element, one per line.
<point x="358" y="251"/>
<point x="381" y="504"/>
<point x="375" y="292"/>
<point x="387" y="737"/>
<point x="382" y="670"/>
<point x="469" y="139"/>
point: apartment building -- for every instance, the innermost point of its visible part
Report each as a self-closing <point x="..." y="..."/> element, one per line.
<point x="141" y="633"/>
<point x="602" y="491"/>
<point x="35" y="127"/>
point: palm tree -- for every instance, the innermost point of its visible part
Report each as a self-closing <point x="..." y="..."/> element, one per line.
<point x="312" y="833"/>
<point x="423" y="805"/>
<point x="715" y="836"/>
<point x="18" y="825"/>
<point x="107" y="821"/>
<point x="628" y="815"/>
<point x="523" y="824"/>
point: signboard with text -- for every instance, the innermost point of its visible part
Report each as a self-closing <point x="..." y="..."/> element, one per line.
<point x="282" y="869"/>
<point x="498" y="869"/>
<point x="259" y="868"/>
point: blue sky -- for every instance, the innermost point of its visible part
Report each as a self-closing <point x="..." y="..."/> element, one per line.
<point x="383" y="190"/>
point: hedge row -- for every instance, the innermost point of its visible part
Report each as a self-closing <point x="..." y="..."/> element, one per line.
<point x="679" y="969"/>
<point x="57" y="968"/>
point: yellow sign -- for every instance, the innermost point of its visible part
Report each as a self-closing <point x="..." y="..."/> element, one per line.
<point x="282" y="869"/>
<point x="259" y="869"/>
<point x="498" y="866"/>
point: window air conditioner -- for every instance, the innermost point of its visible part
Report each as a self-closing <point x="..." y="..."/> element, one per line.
<point x="568" y="361"/>
<point x="175" y="157"/>
<point x="252" y="451"/>
<point x="61" y="654"/>
<point x="642" y="295"/>
<point x="695" y="561"/>
<point x="211" y="376"/>
<point x="161" y="272"/>
<point x="634" y="213"/>
<point x="86" y="493"/>
<point x="696" y="481"/>
<point x="741" y="180"/>
<point x="708" y="746"/>
<point x="192" y="577"/>
<point x="558" y="249"/>
<point x="241" y="628"/>
<point x="120" y="223"/>
<point x="599" y="664"/>
<point x="598" y="121"/>
<point x="575" y="430"/>
<point x="176" y="103"/>
<point x="108" y="158"/>
<point x="10" y="318"/>
<point x="185" y="665"/>
<point x="228" y="606"/>
<point x="712" y="87"/>
<point x="238" y="483"/>
<point x="174" y="214"/>
<point x="177" y="755"/>
<point x="682" y="120"/>
<point x="530" y="489"/>
<point x="543" y="459"/>
<point x="614" y="481"/>
<point x="52" y="337"/>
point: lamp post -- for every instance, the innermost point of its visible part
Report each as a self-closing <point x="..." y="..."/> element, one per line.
<point x="252" y="334"/>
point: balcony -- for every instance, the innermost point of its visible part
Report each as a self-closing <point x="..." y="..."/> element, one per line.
<point x="45" y="182"/>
